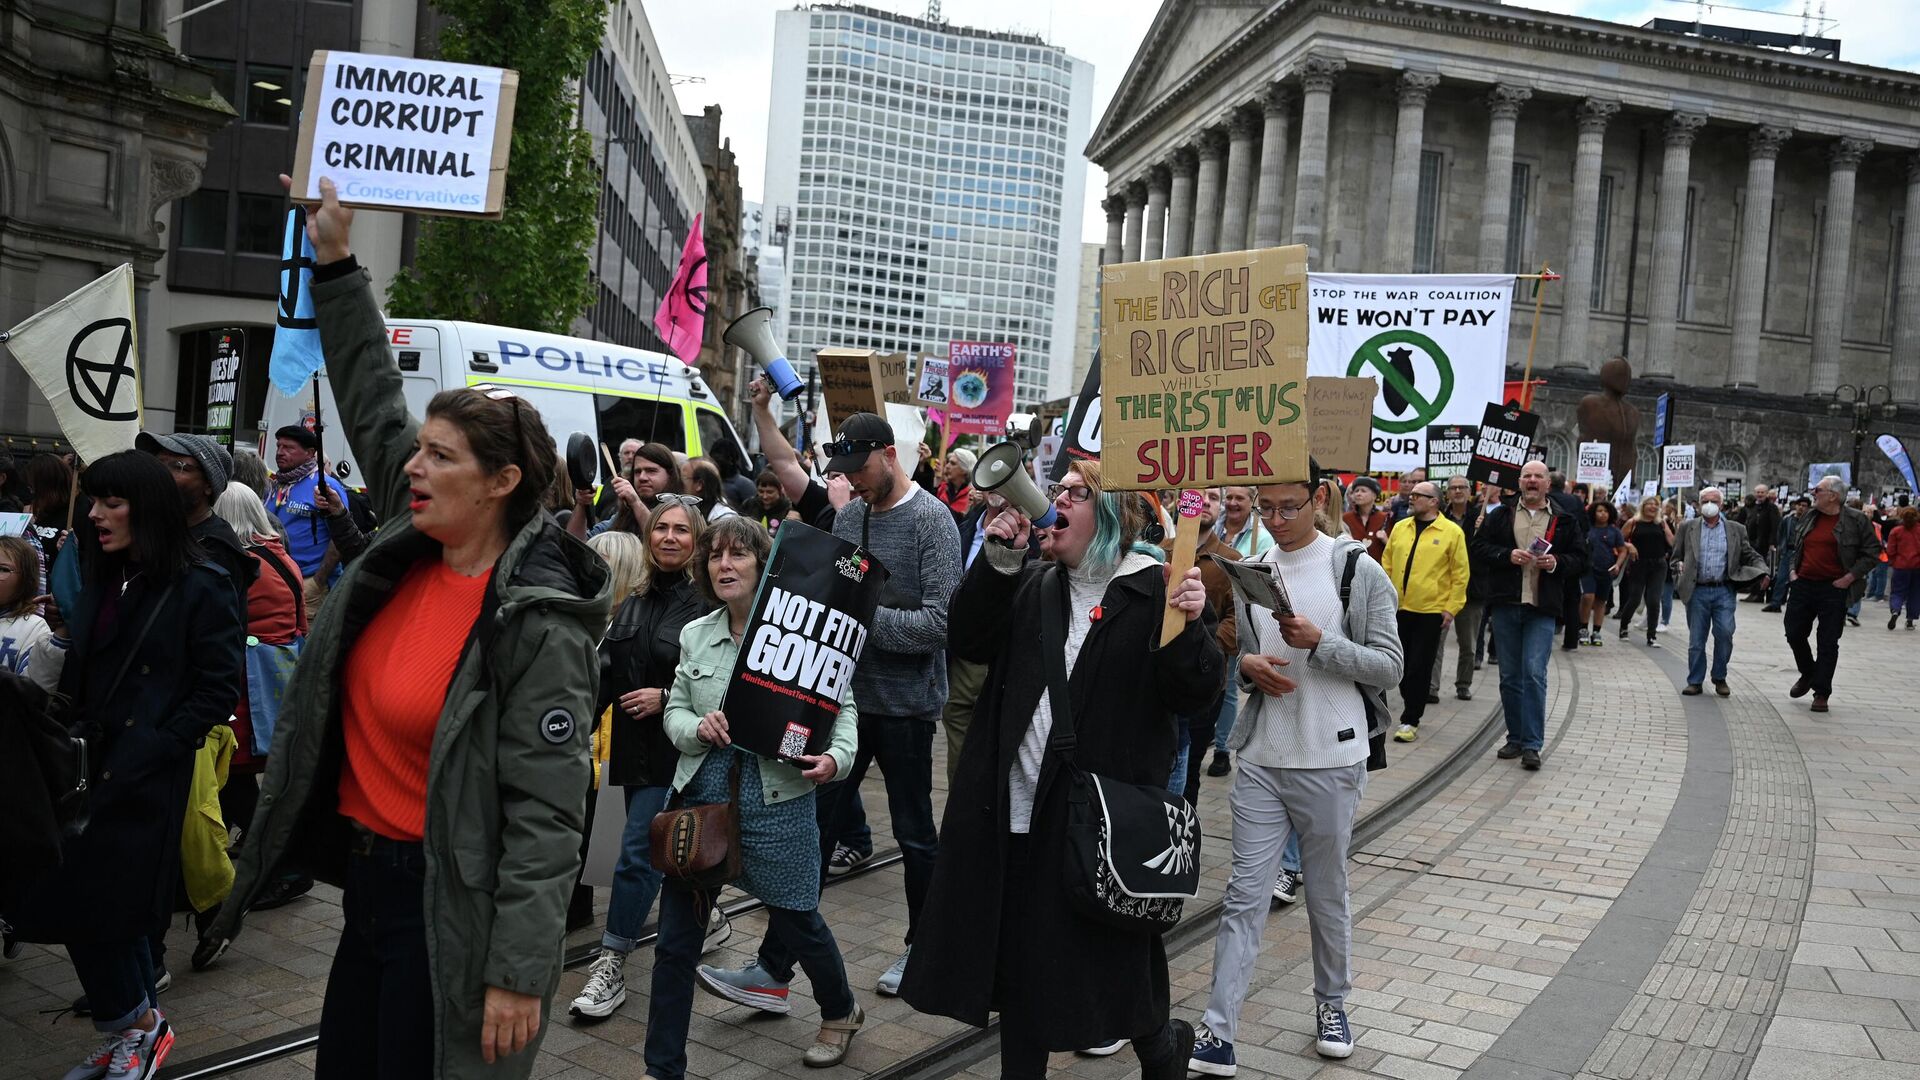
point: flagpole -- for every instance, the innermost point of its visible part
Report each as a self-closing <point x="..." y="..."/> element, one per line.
<point x="1533" y="338"/>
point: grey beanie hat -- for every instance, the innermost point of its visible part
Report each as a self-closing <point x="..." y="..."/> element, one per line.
<point x="215" y="463"/>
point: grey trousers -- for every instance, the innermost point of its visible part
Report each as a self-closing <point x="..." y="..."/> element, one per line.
<point x="965" y="680"/>
<point x="1268" y="806"/>
<point x="1466" y="635"/>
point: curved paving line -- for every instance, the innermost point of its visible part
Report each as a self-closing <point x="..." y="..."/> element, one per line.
<point x="1651" y="1017"/>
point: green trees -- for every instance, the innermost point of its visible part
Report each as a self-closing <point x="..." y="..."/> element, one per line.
<point x="529" y="269"/>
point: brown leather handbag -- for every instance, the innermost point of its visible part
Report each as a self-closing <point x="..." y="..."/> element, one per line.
<point x="698" y="847"/>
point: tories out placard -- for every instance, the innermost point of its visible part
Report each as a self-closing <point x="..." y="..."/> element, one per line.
<point x="979" y="387"/>
<point x="1450" y="450"/>
<point x="1436" y="342"/>
<point x="811" y="615"/>
<point x="398" y="133"/>
<point x="1203" y="370"/>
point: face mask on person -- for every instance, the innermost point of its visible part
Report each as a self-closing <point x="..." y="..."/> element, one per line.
<point x="1710" y="510"/>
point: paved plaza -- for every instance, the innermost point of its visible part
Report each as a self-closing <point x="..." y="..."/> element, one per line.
<point x="1691" y="888"/>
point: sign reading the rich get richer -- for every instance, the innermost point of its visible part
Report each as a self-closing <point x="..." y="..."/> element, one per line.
<point x="1203" y="370"/>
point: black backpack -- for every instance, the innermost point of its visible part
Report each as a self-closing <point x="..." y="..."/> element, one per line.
<point x="44" y="772"/>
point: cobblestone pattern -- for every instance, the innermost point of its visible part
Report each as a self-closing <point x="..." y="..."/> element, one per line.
<point x="1702" y="1008"/>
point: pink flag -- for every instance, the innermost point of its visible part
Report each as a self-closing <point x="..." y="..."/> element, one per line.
<point x="682" y="317"/>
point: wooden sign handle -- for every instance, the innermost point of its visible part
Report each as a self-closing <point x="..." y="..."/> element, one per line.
<point x="1186" y="538"/>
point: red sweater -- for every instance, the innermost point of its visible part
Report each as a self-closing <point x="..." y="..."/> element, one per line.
<point x="1903" y="547"/>
<point x="395" y="689"/>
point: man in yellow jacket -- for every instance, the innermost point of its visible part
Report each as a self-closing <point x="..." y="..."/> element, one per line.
<point x="1426" y="557"/>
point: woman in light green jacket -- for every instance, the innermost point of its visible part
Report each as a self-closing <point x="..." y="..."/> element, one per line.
<point x="779" y="838"/>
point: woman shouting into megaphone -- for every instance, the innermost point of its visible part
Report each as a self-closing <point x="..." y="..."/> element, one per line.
<point x="1007" y="924"/>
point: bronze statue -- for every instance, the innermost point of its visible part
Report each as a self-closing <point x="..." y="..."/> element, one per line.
<point x="1610" y="418"/>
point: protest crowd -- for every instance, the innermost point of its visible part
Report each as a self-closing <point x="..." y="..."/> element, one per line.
<point x="414" y="691"/>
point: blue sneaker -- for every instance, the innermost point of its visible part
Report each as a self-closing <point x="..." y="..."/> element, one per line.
<point x="1211" y="1057"/>
<point x="1336" y="1038"/>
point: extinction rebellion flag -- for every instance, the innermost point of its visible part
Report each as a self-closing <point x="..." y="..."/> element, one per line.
<point x="810" y="620"/>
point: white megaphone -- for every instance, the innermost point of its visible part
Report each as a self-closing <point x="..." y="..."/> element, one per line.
<point x="1001" y="468"/>
<point x="754" y="333"/>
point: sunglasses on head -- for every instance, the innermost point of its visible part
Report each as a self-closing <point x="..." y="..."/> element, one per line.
<point x="849" y="447"/>
<point x="501" y="393"/>
<point x="674" y="498"/>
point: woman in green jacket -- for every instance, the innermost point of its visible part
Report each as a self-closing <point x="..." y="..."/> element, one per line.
<point x="431" y="755"/>
<point x="779" y="838"/>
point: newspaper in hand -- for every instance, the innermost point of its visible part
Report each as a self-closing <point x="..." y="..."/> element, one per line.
<point x="1258" y="585"/>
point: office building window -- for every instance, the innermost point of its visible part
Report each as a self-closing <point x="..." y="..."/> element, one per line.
<point x="261" y="225"/>
<point x="1426" y="219"/>
<point x="1517" y="218"/>
<point x="270" y="93"/>
<point x="202" y="220"/>
<point x="1600" y="222"/>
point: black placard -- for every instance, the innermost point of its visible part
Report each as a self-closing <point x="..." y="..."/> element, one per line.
<point x="1506" y="434"/>
<point x="1450" y="449"/>
<point x="811" y="615"/>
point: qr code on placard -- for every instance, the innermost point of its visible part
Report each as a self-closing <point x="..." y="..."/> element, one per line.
<point x="793" y="742"/>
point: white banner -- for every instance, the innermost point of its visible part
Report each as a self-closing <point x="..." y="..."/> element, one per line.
<point x="1436" y="342"/>
<point x="84" y="354"/>
<point x="1676" y="466"/>
<point x="1596" y="464"/>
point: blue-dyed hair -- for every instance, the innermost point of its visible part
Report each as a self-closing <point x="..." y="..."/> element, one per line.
<point x="1117" y="520"/>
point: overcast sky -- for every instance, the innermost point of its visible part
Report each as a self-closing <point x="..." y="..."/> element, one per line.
<point x="729" y="44"/>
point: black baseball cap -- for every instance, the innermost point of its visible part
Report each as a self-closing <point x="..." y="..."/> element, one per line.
<point x="862" y="434"/>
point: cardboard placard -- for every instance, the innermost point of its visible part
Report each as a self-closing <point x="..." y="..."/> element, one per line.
<point x="893" y="378"/>
<point x="1450" y="449"/>
<point x="980" y="378"/>
<point x="1676" y="465"/>
<point x="1340" y="421"/>
<point x="930" y="382"/>
<point x="399" y="133"/>
<point x="1506" y="434"/>
<point x="1595" y="465"/>
<point x="846" y="380"/>
<point x="1203" y="370"/>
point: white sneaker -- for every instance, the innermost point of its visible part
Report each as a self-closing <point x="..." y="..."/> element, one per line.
<point x="718" y="931"/>
<point x="1286" y="887"/>
<point x="141" y="1052"/>
<point x="1106" y="1050"/>
<point x="606" y="988"/>
<point x="889" y="983"/>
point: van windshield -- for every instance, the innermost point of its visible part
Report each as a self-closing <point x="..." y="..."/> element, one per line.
<point x="623" y="418"/>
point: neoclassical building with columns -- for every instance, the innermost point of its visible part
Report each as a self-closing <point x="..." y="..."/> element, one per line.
<point x="1741" y="222"/>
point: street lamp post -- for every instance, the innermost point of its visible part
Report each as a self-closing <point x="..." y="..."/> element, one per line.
<point x="1862" y="403"/>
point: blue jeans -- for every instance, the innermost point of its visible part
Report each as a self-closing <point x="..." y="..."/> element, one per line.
<point x="1177" y="781"/>
<point x="118" y="978"/>
<point x="1877" y="582"/>
<point x="1524" y="637"/>
<point x="635" y="881"/>
<point x="1290" y="855"/>
<point x="1229" y="711"/>
<point x="1710" y="605"/>
<point x="1782" y="563"/>
<point x="1666" y="602"/>
<point x="682" y="928"/>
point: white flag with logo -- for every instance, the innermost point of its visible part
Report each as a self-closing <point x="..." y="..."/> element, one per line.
<point x="1437" y="343"/>
<point x="83" y="353"/>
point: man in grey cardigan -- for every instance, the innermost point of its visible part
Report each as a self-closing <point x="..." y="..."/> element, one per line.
<point x="1317" y="679"/>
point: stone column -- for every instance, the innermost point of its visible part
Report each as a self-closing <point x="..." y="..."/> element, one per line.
<point x="1273" y="157"/>
<point x="1153" y="244"/>
<point x="1669" y="229"/>
<point x="1116" y="207"/>
<point x="1836" y="248"/>
<point x="1180" y="207"/>
<point x="1496" y="197"/>
<point x="1904" y="379"/>
<point x="1317" y="74"/>
<point x="1136" y="207"/>
<point x="1576" y="292"/>
<point x="1206" y="199"/>
<point x="1750" y="282"/>
<point x="1408" y="135"/>
<point x="1242" y="130"/>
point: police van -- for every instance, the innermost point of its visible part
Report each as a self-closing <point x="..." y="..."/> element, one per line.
<point x="609" y="391"/>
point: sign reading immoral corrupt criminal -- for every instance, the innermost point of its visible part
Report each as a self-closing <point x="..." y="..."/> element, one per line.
<point x="1436" y="342"/>
<point x="398" y="133"/>
<point x="1203" y="370"/>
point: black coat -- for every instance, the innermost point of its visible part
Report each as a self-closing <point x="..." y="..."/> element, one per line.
<point x="640" y="652"/>
<point x="1083" y="983"/>
<point x="117" y="879"/>
<point x="1493" y="544"/>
